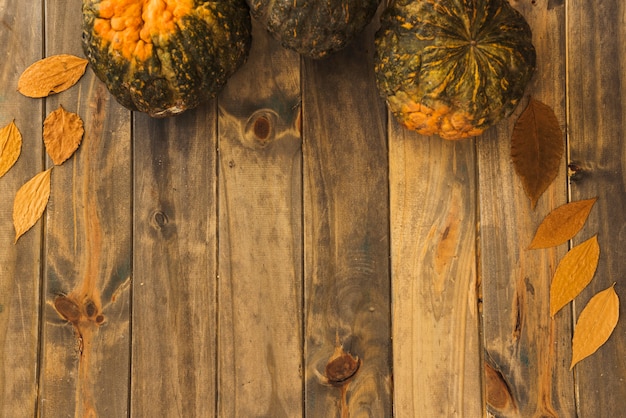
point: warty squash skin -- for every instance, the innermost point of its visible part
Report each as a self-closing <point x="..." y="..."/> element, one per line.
<point x="165" y="56"/>
<point x="314" y="28"/>
<point x="452" y="67"/>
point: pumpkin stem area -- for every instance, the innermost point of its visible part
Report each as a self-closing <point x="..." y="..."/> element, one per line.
<point x="132" y="27"/>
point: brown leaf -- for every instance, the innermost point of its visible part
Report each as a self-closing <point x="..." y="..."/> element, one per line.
<point x="595" y="324"/>
<point x="51" y="75"/>
<point x="10" y="147"/>
<point x="562" y="224"/>
<point x="573" y="274"/>
<point x="30" y="202"/>
<point x="537" y="147"/>
<point x="62" y="134"/>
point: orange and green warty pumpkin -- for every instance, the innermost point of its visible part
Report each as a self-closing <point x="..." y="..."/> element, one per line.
<point x="165" y="56"/>
<point x="314" y="28"/>
<point x="452" y="67"/>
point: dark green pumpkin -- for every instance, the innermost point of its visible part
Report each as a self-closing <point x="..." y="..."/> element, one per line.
<point x="453" y="67"/>
<point x="163" y="57"/>
<point x="314" y="28"/>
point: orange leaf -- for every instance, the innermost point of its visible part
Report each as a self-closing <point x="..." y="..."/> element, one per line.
<point x="537" y="146"/>
<point x="51" y="75"/>
<point x="62" y="134"/>
<point x="573" y="274"/>
<point x="595" y="324"/>
<point x="30" y="202"/>
<point x="562" y="224"/>
<point x="10" y="147"/>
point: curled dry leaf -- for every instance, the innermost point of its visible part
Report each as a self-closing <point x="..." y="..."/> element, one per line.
<point x="10" y="147"/>
<point x="595" y="324"/>
<point x="573" y="274"/>
<point x="562" y="224"/>
<point x="30" y="202"/>
<point x="50" y="75"/>
<point x="537" y="146"/>
<point x="62" y="134"/>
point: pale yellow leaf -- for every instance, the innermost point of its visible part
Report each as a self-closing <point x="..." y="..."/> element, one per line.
<point x="62" y="134"/>
<point x="595" y="324"/>
<point x="562" y="224"/>
<point x="50" y="75"/>
<point x="10" y="147"/>
<point x="30" y="202"/>
<point x="573" y="274"/>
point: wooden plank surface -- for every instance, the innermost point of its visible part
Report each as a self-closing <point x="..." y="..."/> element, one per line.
<point x="260" y="231"/>
<point x="436" y="348"/>
<point x="526" y="353"/>
<point x="597" y="126"/>
<point x="20" y="264"/>
<point x="346" y="247"/>
<point x="87" y="251"/>
<point x="215" y="262"/>
<point x="174" y="268"/>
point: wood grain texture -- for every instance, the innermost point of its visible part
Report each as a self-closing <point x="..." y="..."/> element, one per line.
<point x="87" y="253"/>
<point x="529" y="350"/>
<point x="175" y="265"/>
<point x="260" y="230"/>
<point x="597" y="124"/>
<point x="346" y="247"/>
<point x="436" y="347"/>
<point x="20" y="264"/>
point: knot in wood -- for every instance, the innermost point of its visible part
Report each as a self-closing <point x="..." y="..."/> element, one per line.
<point x="260" y="128"/>
<point x="159" y="219"/>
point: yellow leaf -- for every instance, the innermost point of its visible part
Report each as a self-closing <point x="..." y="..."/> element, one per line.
<point x="51" y="75"/>
<point x="562" y="224"/>
<point x="537" y="147"/>
<point x="573" y="274"/>
<point x="595" y="324"/>
<point x="30" y="202"/>
<point x="62" y="134"/>
<point x="10" y="147"/>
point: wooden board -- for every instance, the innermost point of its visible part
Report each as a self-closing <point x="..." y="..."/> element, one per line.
<point x="20" y="264"/>
<point x="526" y="353"/>
<point x="597" y="124"/>
<point x="346" y="247"/>
<point x="87" y="251"/>
<point x="435" y="296"/>
<point x="260" y="232"/>
<point x="174" y="269"/>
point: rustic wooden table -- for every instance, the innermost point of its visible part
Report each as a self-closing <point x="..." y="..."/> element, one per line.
<point x="230" y="249"/>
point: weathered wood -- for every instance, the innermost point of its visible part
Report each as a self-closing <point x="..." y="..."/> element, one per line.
<point x="436" y="347"/>
<point x="346" y="246"/>
<point x="260" y="230"/>
<point x="522" y="344"/>
<point x="597" y="126"/>
<point x="87" y="248"/>
<point x="175" y="257"/>
<point x="20" y="264"/>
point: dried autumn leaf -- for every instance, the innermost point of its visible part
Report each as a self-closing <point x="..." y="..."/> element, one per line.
<point x="537" y="147"/>
<point x="595" y="324"/>
<point x="62" y="134"/>
<point x="573" y="274"/>
<point x="30" y="202"/>
<point x="562" y="224"/>
<point x="10" y="147"/>
<point x="50" y="75"/>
